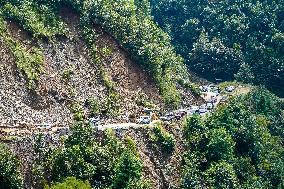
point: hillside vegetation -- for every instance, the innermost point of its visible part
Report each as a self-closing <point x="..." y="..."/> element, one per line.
<point x="228" y="40"/>
<point x="109" y="94"/>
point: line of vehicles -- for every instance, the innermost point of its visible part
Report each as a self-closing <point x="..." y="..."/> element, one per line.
<point x="212" y="99"/>
<point x="210" y="93"/>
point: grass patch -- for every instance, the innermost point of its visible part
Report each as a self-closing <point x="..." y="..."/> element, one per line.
<point x="29" y="62"/>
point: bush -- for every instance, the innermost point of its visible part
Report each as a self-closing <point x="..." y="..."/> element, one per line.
<point x="222" y="175"/>
<point x="220" y="146"/>
<point x="70" y="183"/>
<point x="39" y="20"/>
<point x="78" y="111"/>
<point x="94" y="106"/>
<point x="128" y="168"/>
<point x="164" y="139"/>
<point x="10" y="176"/>
<point x="67" y="73"/>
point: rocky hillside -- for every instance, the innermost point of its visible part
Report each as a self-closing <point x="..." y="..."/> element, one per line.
<point x="70" y="76"/>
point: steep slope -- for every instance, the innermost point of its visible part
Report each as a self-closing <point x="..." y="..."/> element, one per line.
<point x="50" y="102"/>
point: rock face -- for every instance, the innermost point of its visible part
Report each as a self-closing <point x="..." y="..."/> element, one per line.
<point x="50" y="102"/>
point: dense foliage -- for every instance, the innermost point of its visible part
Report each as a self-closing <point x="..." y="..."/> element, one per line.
<point x="221" y="38"/>
<point x="10" y="176"/>
<point x="108" y="163"/>
<point x="70" y="183"/>
<point x="238" y="146"/>
<point x="163" y="139"/>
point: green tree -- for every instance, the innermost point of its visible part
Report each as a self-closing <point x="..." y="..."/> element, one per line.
<point x="10" y="175"/>
<point x="70" y="183"/>
<point x="221" y="145"/>
<point x="128" y="170"/>
<point x="247" y="33"/>
<point x="213" y="59"/>
<point x="222" y="175"/>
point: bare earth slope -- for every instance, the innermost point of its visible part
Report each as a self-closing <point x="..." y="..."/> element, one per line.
<point x="50" y="103"/>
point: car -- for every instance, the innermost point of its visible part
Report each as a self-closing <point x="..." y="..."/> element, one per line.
<point x="44" y="126"/>
<point x="230" y="88"/>
<point x="180" y="113"/>
<point x="178" y="116"/>
<point x="193" y="109"/>
<point x="212" y="87"/>
<point x="165" y="118"/>
<point x="95" y="121"/>
<point x="217" y="80"/>
<point x="144" y="120"/>
<point x="209" y="105"/>
<point x="189" y="113"/>
<point x="203" y="106"/>
<point x="170" y="116"/>
<point x="204" y="88"/>
<point x="214" y="99"/>
<point x="202" y="109"/>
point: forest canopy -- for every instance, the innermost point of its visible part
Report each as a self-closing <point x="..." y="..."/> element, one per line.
<point x="228" y="39"/>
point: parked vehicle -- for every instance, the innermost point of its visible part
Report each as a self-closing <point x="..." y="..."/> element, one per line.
<point x="194" y="109"/>
<point x="95" y="121"/>
<point x="144" y="120"/>
<point x="230" y="88"/>
<point x="209" y="105"/>
<point x="166" y="118"/>
<point x="202" y="109"/>
<point x="170" y="116"/>
<point x="178" y="117"/>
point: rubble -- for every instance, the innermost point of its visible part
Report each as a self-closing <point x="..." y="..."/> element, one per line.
<point x="50" y="102"/>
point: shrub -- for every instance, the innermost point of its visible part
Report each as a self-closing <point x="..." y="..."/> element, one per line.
<point x="163" y="138"/>
<point x="128" y="168"/>
<point x="94" y="106"/>
<point x="10" y="176"/>
<point x="78" y="111"/>
<point x="70" y="183"/>
<point x="222" y="175"/>
<point x="67" y="73"/>
<point x="220" y="146"/>
<point x="39" y="20"/>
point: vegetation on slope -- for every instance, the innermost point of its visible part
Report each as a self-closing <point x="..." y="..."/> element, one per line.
<point x="28" y="61"/>
<point x="10" y="176"/>
<point x="109" y="163"/>
<point x="238" y="146"/>
<point x="219" y="39"/>
<point x="70" y="183"/>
